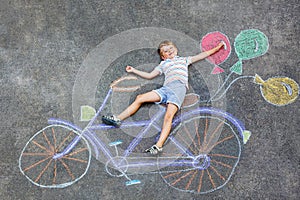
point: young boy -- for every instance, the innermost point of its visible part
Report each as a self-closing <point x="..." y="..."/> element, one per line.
<point x="172" y="93"/>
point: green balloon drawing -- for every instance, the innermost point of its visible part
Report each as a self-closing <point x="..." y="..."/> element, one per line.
<point x="249" y="44"/>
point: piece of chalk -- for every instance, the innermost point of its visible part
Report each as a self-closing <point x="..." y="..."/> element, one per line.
<point x="225" y="46"/>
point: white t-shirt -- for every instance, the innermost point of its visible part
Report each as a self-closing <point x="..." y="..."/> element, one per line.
<point x="175" y="69"/>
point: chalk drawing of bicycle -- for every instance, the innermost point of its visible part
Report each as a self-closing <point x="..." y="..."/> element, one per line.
<point x="200" y="155"/>
<point x="202" y="150"/>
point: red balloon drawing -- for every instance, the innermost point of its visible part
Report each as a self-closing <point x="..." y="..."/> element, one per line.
<point x="210" y="41"/>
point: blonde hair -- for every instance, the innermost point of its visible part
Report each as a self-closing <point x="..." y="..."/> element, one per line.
<point x="164" y="43"/>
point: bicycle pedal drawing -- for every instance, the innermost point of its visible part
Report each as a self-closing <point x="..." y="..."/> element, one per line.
<point x="200" y="155"/>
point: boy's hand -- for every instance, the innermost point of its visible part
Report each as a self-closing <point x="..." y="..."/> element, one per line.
<point x="129" y="69"/>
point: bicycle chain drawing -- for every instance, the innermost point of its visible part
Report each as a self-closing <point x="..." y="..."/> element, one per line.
<point x="203" y="148"/>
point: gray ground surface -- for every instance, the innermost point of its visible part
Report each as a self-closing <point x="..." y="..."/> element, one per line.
<point x="43" y="44"/>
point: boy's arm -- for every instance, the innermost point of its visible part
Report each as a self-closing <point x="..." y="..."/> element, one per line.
<point x="205" y="54"/>
<point x="145" y="75"/>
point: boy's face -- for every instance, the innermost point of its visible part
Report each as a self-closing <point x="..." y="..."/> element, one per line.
<point x="168" y="52"/>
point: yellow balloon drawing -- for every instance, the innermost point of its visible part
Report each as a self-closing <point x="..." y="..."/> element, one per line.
<point x="278" y="90"/>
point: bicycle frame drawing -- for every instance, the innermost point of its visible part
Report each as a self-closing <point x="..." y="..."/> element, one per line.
<point x="200" y="155"/>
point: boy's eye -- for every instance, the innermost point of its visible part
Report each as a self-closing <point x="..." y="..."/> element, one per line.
<point x="168" y="49"/>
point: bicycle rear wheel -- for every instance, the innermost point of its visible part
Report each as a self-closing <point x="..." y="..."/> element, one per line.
<point x="40" y="163"/>
<point x="205" y="151"/>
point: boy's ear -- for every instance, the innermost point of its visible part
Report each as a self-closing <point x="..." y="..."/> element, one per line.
<point x="162" y="57"/>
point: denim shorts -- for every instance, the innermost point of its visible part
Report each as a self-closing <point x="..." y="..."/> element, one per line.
<point x="173" y="92"/>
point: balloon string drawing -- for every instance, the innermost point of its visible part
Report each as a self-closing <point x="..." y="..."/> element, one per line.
<point x="202" y="150"/>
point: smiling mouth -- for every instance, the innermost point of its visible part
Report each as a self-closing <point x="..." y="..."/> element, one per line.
<point x="171" y="54"/>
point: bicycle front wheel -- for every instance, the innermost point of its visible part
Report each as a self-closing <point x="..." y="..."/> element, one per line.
<point x="43" y="162"/>
<point x="201" y="155"/>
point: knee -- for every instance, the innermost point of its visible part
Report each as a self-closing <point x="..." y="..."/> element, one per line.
<point x="171" y="111"/>
<point x="169" y="116"/>
<point x="139" y="98"/>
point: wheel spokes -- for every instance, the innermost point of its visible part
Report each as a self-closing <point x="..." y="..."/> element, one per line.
<point x="39" y="164"/>
<point x="213" y="149"/>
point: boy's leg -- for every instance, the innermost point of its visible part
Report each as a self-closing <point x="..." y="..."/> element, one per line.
<point x="130" y="110"/>
<point x="140" y="99"/>
<point x="171" y="111"/>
